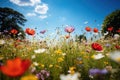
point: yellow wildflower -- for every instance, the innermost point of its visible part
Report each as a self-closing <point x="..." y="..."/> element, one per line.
<point x="42" y="65"/>
<point x="50" y="65"/>
<point x="86" y="57"/>
<point x="58" y="51"/>
<point x="29" y="77"/>
<point x="117" y="59"/>
<point x="57" y="66"/>
<point x="1" y="57"/>
<point x="105" y="62"/>
<point x="72" y="70"/>
<point x="60" y="59"/>
<point x="79" y="62"/>
<point x="93" y="56"/>
<point x="82" y="52"/>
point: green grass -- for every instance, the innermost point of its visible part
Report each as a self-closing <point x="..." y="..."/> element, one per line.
<point x="73" y="50"/>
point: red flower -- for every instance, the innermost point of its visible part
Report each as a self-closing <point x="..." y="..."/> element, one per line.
<point x="117" y="47"/>
<point x="15" y="67"/>
<point x="110" y="28"/>
<point x="88" y="29"/>
<point x="67" y="36"/>
<point x="14" y="31"/>
<point x="96" y="46"/>
<point x="118" y="31"/>
<point x="30" y="31"/>
<point x="95" y="30"/>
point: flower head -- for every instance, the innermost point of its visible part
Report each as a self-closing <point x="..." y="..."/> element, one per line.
<point x="95" y="30"/>
<point x="30" y="31"/>
<point x="15" y="67"/>
<point x="110" y="28"/>
<point x="43" y="31"/>
<point x="117" y="46"/>
<point x="72" y="70"/>
<point x="58" y="51"/>
<point x="96" y="47"/>
<point x="69" y="29"/>
<point x="75" y="76"/>
<point x="67" y="36"/>
<point x="43" y="74"/>
<point x="115" y="56"/>
<point x="88" y="29"/>
<point x="29" y="77"/>
<point x="98" y="56"/>
<point x="42" y="50"/>
<point x="118" y="31"/>
<point x="60" y="59"/>
<point x="2" y="42"/>
<point x="14" y="31"/>
<point x="116" y="36"/>
<point x="93" y="72"/>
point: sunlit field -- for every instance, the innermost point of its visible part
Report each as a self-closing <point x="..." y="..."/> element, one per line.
<point x="64" y="57"/>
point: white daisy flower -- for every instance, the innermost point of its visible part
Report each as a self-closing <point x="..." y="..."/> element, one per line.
<point x="2" y="42"/>
<point x="116" y="36"/>
<point x="98" y="56"/>
<point x="40" y="50"/>
<point x="35" y="63"/>
<point x="115" y="56"/>
<point x="70" y="77"/>
<point x="33" y="56"/>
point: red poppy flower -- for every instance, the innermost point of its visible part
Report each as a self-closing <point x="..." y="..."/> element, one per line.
<point x="95" y="30"/>
<point x="88" y="29"/>
<point x="15" y="67"/>
<point x="118" y="31"/>
<point x="110" y="28"/>
<point x="14" y="31"/>
<point x="67" y="36"/>
<point x="117" y="47"/>
<point x="30" y="31"/>
<point x="96" y="46"/>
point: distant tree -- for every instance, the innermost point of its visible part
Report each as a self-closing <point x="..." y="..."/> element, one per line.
<point x="11" y="19"/>
<point x="81" y="38"/>
<point x="112" y="23"/>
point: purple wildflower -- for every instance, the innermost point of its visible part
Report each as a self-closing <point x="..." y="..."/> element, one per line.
<point x="108" y="45"/>
<point x="43" y="74"/>
<point x="104" y="71"/>
<point x="43" y="31"/>
<point x="93" y="72"/>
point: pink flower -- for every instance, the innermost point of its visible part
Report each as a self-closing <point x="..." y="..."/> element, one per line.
<point x="69" y="29"/>
<point x="43" y="31"/>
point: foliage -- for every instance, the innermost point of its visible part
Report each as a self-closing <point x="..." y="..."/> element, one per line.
<point x="81" y="38"/>
<point x="112" y="20"/>
<point x="11" y="19"/>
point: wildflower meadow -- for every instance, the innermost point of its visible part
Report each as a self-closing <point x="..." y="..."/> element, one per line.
<point x="64" y="57"/>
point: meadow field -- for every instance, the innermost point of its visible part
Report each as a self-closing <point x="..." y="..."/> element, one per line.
<point x="61" y="58"/>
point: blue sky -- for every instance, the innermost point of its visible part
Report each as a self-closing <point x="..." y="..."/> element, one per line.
<point x="49" y="14"/>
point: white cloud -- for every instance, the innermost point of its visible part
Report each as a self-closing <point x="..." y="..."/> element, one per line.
<point x="86" y="22"/>
<point x="31" y="14"/>
<point x="26" y="2"/>
<point x="41" y="9"/>
<point x="43" y="16"/>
